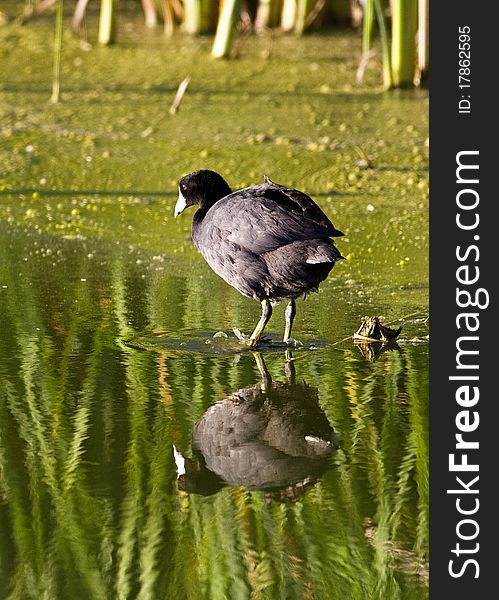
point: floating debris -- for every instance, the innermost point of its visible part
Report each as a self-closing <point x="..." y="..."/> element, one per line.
<point x="179" y="95"/>
<point x="364" y="161"/>
<point x="371" y="330"/>
<point x="372" y="338"/>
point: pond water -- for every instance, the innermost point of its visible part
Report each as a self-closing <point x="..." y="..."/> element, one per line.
<point x="306" y="473"/>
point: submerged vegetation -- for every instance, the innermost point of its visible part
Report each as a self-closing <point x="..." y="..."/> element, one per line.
<point x="89" y="504"/>
<point x="402" y="25"/>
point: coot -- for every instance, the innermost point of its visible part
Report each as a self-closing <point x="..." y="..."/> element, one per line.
<point x="269" y="241"/>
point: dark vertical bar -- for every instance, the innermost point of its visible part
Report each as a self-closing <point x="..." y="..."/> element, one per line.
<point x="463" y="120"/>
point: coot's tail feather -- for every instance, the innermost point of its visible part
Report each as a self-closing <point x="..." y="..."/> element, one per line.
<point x="300" y="266"/>
<point x="322" y="253"/>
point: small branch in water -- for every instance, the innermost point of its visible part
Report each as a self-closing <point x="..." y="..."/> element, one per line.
<point x="364" y="161"/>
<point x="179" y="95"/>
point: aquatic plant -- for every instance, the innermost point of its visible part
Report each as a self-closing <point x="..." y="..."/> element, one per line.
<point x="402" y="26"/>
<point x="367" y="26"/>
<point x="224" y="36"/>
<point x="403" y="41"/>
<point x="107" y="22"/>
<point x="199" y="16"/>
<point x="56" y="78"/>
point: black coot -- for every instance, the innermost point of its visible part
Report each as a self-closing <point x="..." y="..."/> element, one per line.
<point x="268" y="241"/>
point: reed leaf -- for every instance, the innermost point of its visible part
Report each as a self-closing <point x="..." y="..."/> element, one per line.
<point x="56" y="78"/>
<point x="367" y="26"/>
<point x="379" y="7"/>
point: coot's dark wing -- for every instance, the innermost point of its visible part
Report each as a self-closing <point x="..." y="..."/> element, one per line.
<point x="238" y="266"/>
<point x="299" y="202"/>
<point x="263" y="218"/>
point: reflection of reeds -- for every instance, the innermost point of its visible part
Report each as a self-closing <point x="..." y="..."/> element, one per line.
<point x="87" y="482"/>
<point x="52" y="487"/>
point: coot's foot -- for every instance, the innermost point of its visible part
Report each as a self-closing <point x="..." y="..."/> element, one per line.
<point x="249" y="341"/>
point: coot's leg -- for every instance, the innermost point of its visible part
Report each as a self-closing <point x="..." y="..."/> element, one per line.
<point x="264" y="319"/>
<point x="289" y="313"/>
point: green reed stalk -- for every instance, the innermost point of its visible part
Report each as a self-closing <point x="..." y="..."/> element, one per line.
<point x="367" y="26"/>
<point x="56" y="79"/>
<point x="302" y="11"/>
<point x="199" y="16"/>
<point x="192" y="16"/>
<point x="288" y="15"/>
<point x="404" y="27"/>
<point x="107" y="22"/>
<point x="379" y="7"/>
<point x="226" y="28"/>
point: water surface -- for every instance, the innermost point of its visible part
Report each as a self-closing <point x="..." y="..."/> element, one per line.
<point x="309" y="480"/>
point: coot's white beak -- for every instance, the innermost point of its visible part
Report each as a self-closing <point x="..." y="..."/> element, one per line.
<point x="179" y="462"/>
<point x="181" y="204"/>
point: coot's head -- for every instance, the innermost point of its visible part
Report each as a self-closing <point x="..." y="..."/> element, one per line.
<point x="203" y="188"/>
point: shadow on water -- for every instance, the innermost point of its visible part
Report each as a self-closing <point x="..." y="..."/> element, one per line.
<point x="270" y="436"/>
<point x="222" y="343"/>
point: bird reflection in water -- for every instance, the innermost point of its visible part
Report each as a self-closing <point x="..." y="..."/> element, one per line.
<point x="270" y="436"/>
